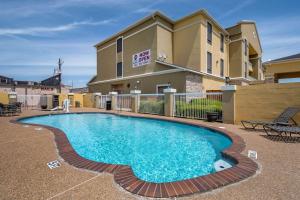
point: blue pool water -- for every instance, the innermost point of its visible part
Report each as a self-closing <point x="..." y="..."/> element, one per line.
<point x="158" y="151"/>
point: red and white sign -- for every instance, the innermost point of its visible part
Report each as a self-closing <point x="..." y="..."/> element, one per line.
<point x="141" y="58"/>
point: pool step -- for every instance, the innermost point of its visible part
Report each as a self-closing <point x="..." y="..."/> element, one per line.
<point x="221" y="165"/>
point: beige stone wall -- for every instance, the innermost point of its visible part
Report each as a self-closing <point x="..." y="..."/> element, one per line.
<point x="265" y="101"/>
<point x="193" y="83"/>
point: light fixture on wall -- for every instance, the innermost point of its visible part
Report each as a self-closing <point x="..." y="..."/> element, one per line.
<point x="227" y="80"/>
<point x="136" y="87"/>
<point x="162" y="57"/>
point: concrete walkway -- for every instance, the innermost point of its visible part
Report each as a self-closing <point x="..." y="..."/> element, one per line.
<point x="24" y="152"/>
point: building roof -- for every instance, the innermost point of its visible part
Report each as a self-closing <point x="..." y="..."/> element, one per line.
<point x="286" y="58"/>
<point x="163" y="16"/>
<point x="248" y="22"/>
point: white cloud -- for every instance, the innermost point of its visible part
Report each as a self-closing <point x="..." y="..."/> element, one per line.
<point x="15" y="9"/>
<point x="279" y="36"/>
<point x="41" y="30"/>
<point x="237" y="7"/>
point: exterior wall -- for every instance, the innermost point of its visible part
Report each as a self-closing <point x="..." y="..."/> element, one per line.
<point x="35" y="90"/>
<point x="184" y="43"/>
<point x="4" y="98"/>
<point x="193" y="83"/>
<point x="147" y="84"/>
<point x="187" y="43"/>
<point x="61" y="98"/>
<point x="212" y="83"/>
<point x="283" y="67"/>
<point x="213" y="48"/>
<point x="4" y="88"/>
<point x="236" y="59"/>
<point x="257" y="69"/>
<point x="106" y="63"/>
<point x="132" y="44"/>
<point x="272" y="100"/>
<point x="88" y="100"/>
<point x="165" y="43"/>
<point x="142" y="41"/>
<point x="79" y="97"/>
<point x="249" y="32"/>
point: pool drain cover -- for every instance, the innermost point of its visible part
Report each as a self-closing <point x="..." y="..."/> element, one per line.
<point x="252" y="154"/>
<point x="54" y="164"/>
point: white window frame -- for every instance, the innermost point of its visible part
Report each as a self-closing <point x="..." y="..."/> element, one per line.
<point x="162" y="85"/>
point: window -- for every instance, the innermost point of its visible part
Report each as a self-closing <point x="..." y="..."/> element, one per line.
<point x="209" y="32"/>
<point x="222" y="68"/>
<point x="222" y="43"/>
<point x="160" y="88"/>
<point x="119" y="45"/>
<point x="246" y="70"/>
<point x="209" y="62"/>
<point x="119" y="69"/>
<point x="246" y="47"/>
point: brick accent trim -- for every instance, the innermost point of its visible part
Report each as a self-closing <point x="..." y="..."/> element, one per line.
<point x="124" y="176"/>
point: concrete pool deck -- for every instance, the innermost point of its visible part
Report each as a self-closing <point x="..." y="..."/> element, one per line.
<point x="25" y="175"/>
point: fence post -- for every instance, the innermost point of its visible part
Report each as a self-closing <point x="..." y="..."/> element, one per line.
<point x="113" y="100"/>
<point x="228" y="103"/>
<point x="135" y="100"/>
<point x="169" y="101"/>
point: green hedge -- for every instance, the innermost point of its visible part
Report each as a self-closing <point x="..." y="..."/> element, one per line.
<point x="196" y="106"/>
<point x="153" y="107"/>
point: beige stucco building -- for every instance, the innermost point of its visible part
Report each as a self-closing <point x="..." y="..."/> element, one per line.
<point x="192" y="54"/>
<point x="283" y="68"/>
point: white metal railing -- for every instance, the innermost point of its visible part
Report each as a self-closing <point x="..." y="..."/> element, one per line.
<point x="27" y="101"/>
<point x="124" y="102"/>
<point x="196" y="105"/>
<point x="101" y="101"/>
<point x="152" y="104"/>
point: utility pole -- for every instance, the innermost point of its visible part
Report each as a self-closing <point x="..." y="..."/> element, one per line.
<point x="60" y="63"/>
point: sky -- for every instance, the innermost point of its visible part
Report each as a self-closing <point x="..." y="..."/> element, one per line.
<point x="35" y="33"/>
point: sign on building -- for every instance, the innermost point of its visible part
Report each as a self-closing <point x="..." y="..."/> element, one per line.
<point x="141" y="58"/>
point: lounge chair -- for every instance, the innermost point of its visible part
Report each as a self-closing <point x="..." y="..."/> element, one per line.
<point x="283" y="119"/>
<point x="18" y="106"/>
<point x="281" y="130"/>
<point x="3" y="110"/>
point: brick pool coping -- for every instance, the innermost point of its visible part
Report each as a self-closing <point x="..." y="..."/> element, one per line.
<point x="124" y="176"/>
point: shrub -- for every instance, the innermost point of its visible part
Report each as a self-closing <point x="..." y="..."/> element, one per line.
<point x="153" y="107"/>
<point x="198" y="107"/>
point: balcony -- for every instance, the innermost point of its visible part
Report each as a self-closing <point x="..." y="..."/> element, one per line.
<point x="250" y="67"/>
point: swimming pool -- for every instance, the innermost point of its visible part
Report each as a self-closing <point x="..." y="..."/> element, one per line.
<point x="157" y="151"/>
